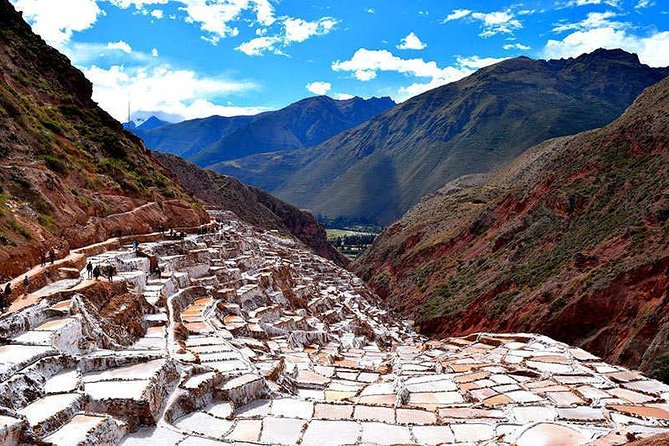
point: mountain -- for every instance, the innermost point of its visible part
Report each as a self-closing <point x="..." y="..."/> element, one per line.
<point x="138" y="126"/>
<point x="250" y="204"/>
<point x="381" y="168"/>
<point x="71" y="176"/>
<point x="151" y="123"/>
<point x="303" y="124"/>
<point x="570" y="240"/>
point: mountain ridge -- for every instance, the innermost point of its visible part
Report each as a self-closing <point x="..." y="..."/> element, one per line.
<point x="381" y="168"/>
<point x="307" y="122"/>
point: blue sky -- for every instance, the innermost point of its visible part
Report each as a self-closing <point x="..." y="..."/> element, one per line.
<point x="183" y="59"/>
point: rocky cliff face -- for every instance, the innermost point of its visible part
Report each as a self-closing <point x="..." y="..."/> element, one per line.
<point x="69" y="174"/>
<point x="570" y="240"/>
<point x="250" y="204"/>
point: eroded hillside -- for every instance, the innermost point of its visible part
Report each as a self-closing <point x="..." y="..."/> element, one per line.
<point x="69" y="173"/>
<point x="570" y="240"/>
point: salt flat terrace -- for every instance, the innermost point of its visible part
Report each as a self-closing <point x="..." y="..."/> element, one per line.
<point x="249" y="338"/>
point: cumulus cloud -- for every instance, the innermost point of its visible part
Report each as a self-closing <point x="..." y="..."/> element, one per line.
<point x="411" y="42"/>
<point x="139" y="4"/>
<point x="496" y="22"/>
<point x="319" y="88"/>
<point x="299" y="30"/>
<point x="56" y="23"/>
<point x="642" y="4"/>
<point x="120" y="52"/>
<point x="457" y="14"/>
<point x="515" y="46"/>
<point x="178" y="92"/>
<point x="365" y="65"/>
<point x="592" y="20"/>
<point x="343" y="96"/>
<point x="572" y="3"/>
<point x="294" y="30"/>
<point x="652" y="50"/>
<point x="260" y="45"/>
<point x="154" y="52"/>
<point x="217" y="17"/>
<point x="120" y="45"/>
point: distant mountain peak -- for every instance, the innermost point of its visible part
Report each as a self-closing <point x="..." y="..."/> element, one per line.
<point x="152" y="123"/>
<point x="304" y="123"/>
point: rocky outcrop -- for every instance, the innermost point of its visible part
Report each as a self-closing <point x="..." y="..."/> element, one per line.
<point x="570" y="240"/>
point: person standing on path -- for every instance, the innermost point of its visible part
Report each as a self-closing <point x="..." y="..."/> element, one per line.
<point x="26" y="284"/>
<point x="89" y="270"/>
<point x="52" y="256"/>
<point x="6" y="297"/>
<point x="96" y="272"/>
<point x="43" y="259"/>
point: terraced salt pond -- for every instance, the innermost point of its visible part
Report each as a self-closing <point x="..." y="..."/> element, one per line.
<point x="248" y="338"/>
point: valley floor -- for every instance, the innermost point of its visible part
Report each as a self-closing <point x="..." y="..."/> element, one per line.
<point x="248" y="338"/>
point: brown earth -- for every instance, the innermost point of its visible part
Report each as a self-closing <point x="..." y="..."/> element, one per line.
<point x="570" y="240"/>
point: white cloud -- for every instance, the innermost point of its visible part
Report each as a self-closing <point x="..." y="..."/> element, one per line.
<point x="217" y="17"/>
<point x="154" y="52"/>
<point x="365" y="64"/>
<point x="260" y="45"/>
<point x="592" y="20"/>
<point x="298" y="30"/>
<point x="139" y="4"/>
<point x="319" y="88"/>
<point x="294" y="30"/>
<point x="652" y="50"/>
<point x="370" y="10"/>
<point x="84" y="54"/>
<point x="516" y="46"/>
<point x="411" y="42"/>
<point x="457" y="14"/>
<point x="572" y="3"/>
<point x="343" y="96"/>
<point x="477" y="62"/>
<point x="497" y="22"/>
<point x="641" y="4"/>
<point x="55" y="22"/>
<point x="157" y="13"/>
<point x="120" y="45"/>
<point x="177" y="92"/>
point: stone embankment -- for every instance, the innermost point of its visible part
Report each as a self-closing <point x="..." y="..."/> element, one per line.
<point x="246" y="337"/>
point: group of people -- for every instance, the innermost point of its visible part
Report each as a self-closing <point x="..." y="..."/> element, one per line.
<point x="6" y="295"/>
<point x="94" y="272"/>
<point x="43" y="257"/>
